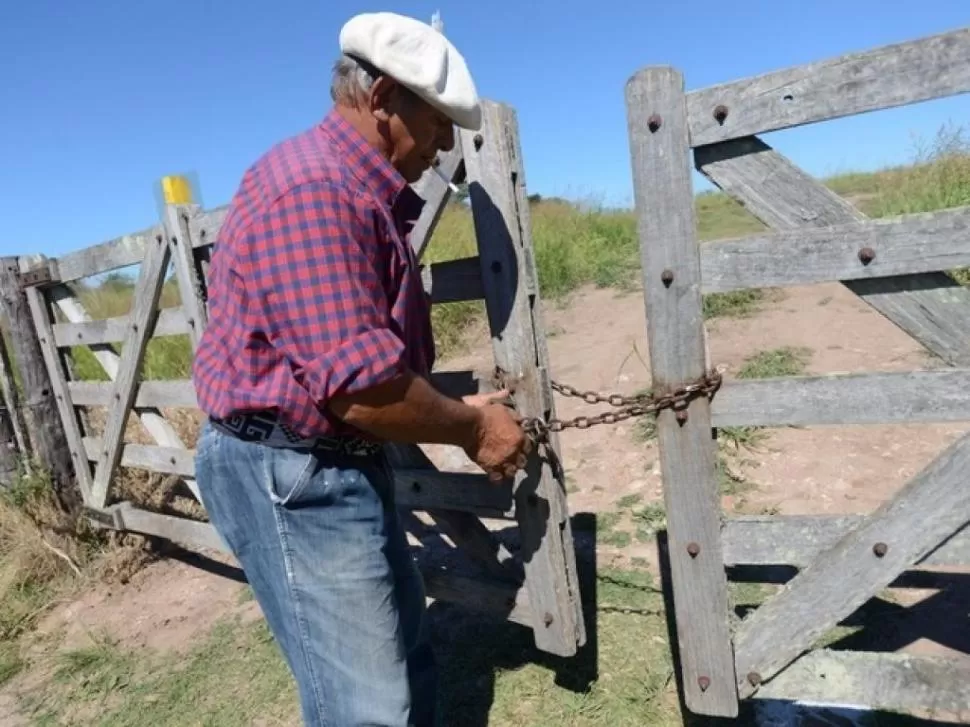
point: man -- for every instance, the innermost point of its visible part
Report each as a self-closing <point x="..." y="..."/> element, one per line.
<point x="318" y="349"/>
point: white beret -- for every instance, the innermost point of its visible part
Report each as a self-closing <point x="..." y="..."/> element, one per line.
<point x="416" y="56"/>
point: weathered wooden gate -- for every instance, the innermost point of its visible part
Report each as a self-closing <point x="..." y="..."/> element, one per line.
<point x="533" y="582"/>
<point x="895" y="266"/>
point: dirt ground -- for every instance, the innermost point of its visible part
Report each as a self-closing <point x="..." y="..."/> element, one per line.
<point x="598" y="341"/>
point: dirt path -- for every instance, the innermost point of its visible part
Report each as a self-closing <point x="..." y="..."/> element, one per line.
<point x="598" y="341"/>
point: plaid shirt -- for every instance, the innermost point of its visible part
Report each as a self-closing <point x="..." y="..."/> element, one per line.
<point x="314" y="290"/>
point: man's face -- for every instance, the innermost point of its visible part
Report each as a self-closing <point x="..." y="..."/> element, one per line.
<point x="415" y="131"/>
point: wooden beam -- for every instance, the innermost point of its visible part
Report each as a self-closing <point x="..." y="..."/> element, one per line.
<point x="171" y="322"/>
<point x="436" y="194"/>
<point x="930" y="307"/>
<point x="664" y="201"/>
<point x="929" y="509"/>
<point x="204" y="226"/>
<point x="797" y="540"/>
<point x="144" y="311"/>
<point x="886" y="77"/>
<point x="496" y="179"/>
<point x="875" y="681"/>
<point x="422" y="489"/>
<point x="176" y="220"/>
<point x="164" y="460"/>
<point x="841" y="399"/>
<point x="464" y="529"/>
<point x="495" y="598"/>
<point x="916" y="243"/>
<point x="453" y="281"/>
<point x="119" y="252"/>
<point x="53" y="427"/>
<point x="190" y="533"/>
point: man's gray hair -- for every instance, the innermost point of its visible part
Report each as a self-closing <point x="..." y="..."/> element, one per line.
<point x="351" y="80"/>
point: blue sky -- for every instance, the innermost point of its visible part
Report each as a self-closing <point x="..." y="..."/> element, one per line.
<point x="102" y="98"/>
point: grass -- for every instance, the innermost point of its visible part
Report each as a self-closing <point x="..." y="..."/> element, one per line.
<point x="784" y="361"/>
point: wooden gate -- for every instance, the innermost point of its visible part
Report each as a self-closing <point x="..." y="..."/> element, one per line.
<point x="895" y="265"/>
<point x="532" y="581"/>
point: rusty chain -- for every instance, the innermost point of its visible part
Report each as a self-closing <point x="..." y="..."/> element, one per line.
<point x="627" y="406"/>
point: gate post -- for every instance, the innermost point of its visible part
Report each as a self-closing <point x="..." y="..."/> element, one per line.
<point x="670" y="259"/>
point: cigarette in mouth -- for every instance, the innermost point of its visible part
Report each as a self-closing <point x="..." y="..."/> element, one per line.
<point x="437" y="170"/>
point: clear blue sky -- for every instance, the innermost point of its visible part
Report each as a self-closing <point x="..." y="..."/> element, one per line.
<point x="101" y="98"/>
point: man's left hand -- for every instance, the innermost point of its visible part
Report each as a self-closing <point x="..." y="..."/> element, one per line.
<point x="480" y="400"/>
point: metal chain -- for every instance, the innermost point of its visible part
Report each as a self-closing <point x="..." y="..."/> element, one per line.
<point x="628" y="406"/>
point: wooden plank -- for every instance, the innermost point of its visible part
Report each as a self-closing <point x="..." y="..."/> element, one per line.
<point x="494" y="171"/>
<point x="915" y="243"/>
<point x="53" y="427"/>
<point x="420" y="489"/>
<point x="930" y="307"/>
<point x="436" y="194"/>
<point x="144" y="311"/>
<point x="665" y="212"/>
<point x="464" y="529"/>
<point x="107" y="256"/>
<point x="164" y="460"/>
<point x="930" y="508"/>
<point x="491" y="597"/>
<point x="176" y="220"/>
<point x="886" y="77"/>
<point x="453" y="281"/>
<point x="204" y="226"/>
<point x="191" y="533"/>
<point x="160" y="429"/>
<point x="797" y="540"/>
<point x="171" y="322"/>
<point x="150" y="395"/>
<point x="874" y="681"/>
<point x="11" y="399"/>
<point x="840" y="399"/>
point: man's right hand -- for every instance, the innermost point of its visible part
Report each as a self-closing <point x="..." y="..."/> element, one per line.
<point x="500" y="445"/>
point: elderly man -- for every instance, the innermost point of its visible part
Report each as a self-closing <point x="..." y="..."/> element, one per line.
<point x="318" y="349"/>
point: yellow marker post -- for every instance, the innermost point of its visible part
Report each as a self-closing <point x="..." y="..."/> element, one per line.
<point x="176" y="189"/>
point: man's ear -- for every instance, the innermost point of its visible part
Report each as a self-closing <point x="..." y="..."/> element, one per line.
<point x="381" y="98"/>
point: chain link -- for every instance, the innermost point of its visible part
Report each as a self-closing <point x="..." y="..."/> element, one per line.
<point x="628" y="406"/>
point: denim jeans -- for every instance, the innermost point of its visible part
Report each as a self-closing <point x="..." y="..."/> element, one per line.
<point x="320" y="542"/>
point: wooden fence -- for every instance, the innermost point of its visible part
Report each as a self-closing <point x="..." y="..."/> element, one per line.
<point x="895" y="265"/>
<point x="532" y="582"/>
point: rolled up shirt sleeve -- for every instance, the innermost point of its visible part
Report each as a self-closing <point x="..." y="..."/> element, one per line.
<point x="317" y="268"/>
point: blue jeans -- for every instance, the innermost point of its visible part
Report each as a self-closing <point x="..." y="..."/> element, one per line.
<point x="320" y="542"/>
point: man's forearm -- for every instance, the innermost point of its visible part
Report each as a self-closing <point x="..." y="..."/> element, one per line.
<point x="409" y="409"/>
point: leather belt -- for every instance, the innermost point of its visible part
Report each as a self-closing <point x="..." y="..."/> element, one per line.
<point x="265" y="428"/>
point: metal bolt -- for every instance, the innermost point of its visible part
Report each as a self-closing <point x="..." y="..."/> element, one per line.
<point x="667" y="277"/>
<point x="866" y="255"/>
<point x="158" y="239"/>
<point x="703" y="683"/>
<point x="654" y="123"/>
<point x="479" y="140"/>
<point x="754" y="678"/>
<point x="548" y="619"/>
<point x="693" y="550"/>
<point x="880" y="549"/>
<point x="720" y="113"/>
<point x="681" y="416"/>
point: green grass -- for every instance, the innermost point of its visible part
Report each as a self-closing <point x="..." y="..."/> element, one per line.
<point x="491" y="673"/>
<point x="784" y="361"/>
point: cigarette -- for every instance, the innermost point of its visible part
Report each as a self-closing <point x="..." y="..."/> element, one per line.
<point x="451" y="185"/>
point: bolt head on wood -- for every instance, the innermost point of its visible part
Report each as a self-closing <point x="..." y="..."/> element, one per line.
<point x="654" y="123"/>
<point x="720" y="113"/>
<point x="479" y="141"/>
<point x="693" y="550"/>
<point x="704" y="683"/>
<point x="754" y="678"/>
<point x="667" y="277"/>
<point x="866" y="255"/>
<point x="880" y="549"/>
<point x="548" y="619"/>
<point x="681" y="416"/>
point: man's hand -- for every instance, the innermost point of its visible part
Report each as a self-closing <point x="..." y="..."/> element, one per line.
<point x="500" y="445"/>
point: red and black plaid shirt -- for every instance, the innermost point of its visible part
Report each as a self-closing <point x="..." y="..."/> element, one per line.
<point x="314" y="290"/>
